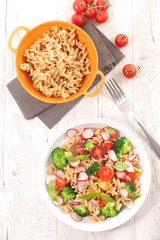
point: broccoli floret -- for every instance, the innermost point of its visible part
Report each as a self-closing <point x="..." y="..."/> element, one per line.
<point x="122" y="146"/>
<point x="93" y="168"/>
<point x="81" y="210"/>
<point x="56" y="152"/>
<point x="59" y="158"/>
<point x="88" y="145"/>
<point x="68" y="154"/>
<point x="130" y="187"/>
<point x="68" y="193"/>
<point x="109" y="210"/>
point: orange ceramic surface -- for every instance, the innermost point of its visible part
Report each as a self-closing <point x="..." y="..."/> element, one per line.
<point x="37" y="32"/>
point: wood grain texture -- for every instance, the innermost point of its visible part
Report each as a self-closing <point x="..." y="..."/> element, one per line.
<point x="23" y="215"/>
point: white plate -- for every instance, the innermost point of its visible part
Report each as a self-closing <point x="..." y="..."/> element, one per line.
<point x="58" y="139"/>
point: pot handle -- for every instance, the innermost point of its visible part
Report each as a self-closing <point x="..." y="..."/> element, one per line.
<point x="12" y="36"/>
<point x="91" y="94"/>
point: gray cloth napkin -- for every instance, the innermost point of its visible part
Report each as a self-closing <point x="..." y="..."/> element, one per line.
<point x="109" y="56"/>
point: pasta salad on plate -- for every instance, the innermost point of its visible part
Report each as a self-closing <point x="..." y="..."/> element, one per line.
<point x="94" y="174"/>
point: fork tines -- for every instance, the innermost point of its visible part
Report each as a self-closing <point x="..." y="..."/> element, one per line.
<point x="115" y="91"/>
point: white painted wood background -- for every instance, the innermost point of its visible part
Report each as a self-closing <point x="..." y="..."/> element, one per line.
<point x="23" y="215"/>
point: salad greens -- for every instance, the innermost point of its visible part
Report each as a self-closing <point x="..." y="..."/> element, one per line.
<point x="120" y="166"/>
<point x="51" y="190"/>
<point x="79" y="157"/>
<point x="97" y="194"/>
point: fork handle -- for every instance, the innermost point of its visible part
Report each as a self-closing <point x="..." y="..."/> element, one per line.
<point x="152" y="141"/>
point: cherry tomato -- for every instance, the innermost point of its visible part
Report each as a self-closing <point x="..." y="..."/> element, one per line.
<point x="138" y="174"/>
<point x="101" y="202"/>
<point x="108" y="146"/>
<point x="61" y="183"/>
<point x="89" y="1"/>
<point x="129" y="71"/>
<point x="105" y="185"/>
<point x="79" y="6"/>
<point x="102" y="4"/>
<point x="78" y="19"/>
<point x="97" y="152"/>
<point x="121" y="40"/>
<point x="79" y="149"/>
<point x="130" y="177"/>
<point x="90" y="12"/>
<point x="101" y="16"/>
<point x="105" y="173"/>
<point x="82" y="138"/>
<point x="113" y="136"/>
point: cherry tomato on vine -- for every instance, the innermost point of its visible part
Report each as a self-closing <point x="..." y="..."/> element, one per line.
<point x="78" y="19"/>
<point x="103" y="4"/>
<point x="89" y="1"/>
<point x="79" y="6"/>
<point x="121" y="40"/>
<point x="90" y="12"/>
<point x="101" y="16"/>
<point x="129" y="71"/>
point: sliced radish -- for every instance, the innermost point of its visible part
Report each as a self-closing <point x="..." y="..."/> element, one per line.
<point x="94" y="202"/>
<point x="74" y="164"/>
<point x="109" y="165"/>
<point x="71" y="132"/>
<point x="123" y="192"/>
<point x="81" y="186"/>
<point x="49" y="178"/>
<point x="87" y="133"/>
<point x="76" y="202"/>
<point x="131" y="158"/>
<point x="120" y="174"/>
<point x="60" y="201"/>
<point x="130" y="204"/>
<point x="81" y="168"/>
<point x="76" y="217"/>
<point x="105" y="135"/>
<point x="112" y="155"/>
<point x="82" y="176"/>
<point x="60" y="173"/>
<point x="130" y="167"/>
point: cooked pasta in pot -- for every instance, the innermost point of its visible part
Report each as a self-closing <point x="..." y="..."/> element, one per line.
<point x="94" y="178"/>
<point x="57" y="63"/>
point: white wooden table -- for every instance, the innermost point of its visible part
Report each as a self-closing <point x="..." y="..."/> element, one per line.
<point x="23" y="215"/>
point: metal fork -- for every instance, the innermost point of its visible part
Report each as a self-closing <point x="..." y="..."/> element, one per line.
<point x="123" y="103"/>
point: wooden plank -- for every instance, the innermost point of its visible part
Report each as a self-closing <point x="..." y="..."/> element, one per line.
<point x="146" y="49"/>
<point x="3" y="208"/>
